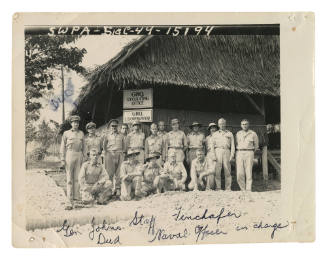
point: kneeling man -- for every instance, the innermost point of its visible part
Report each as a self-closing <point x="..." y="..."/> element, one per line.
<point x="151" y="174"/>
<point x="202" y="173"/>
<point x="94" y="182"/>
<point x="173" y="175"/>
<point x="131" y="174"/>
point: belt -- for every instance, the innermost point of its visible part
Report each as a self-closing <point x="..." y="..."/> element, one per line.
<point x="195" y="148"/>
<point x="222" y="148"/>
<point x="173" y="147"/>
<point x="136" y="148"/>
<point x="115" y="151"/>
<point x="245" y="149"/>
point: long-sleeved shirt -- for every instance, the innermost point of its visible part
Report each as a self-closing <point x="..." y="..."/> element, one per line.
<point x="114" y="141"/>
<point x="175" y="170"/>
<point x="91" y="174"/>
<point x="92" y="142"/>
<point x="135" y="141"/>
<point x="72" y="140"/>
<point x="155" y="144"/>
<point x="223" y="139"/>
<point x="198" y="168"/>
<point x="247" y="140"/>
<point x="195" y="140"/>
<point x="209" y="146"/>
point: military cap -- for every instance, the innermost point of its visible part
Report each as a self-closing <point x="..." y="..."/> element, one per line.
<point x="153" y="155"/>
<point x="131" y="152"/>
<point x="195" y="123"/>
<point x="212" y="125"/>
<point x="174" y="121"/>
<point x="136" y="122"/>
<point x="74" y="118"/>
<point x="113" y="121"/>
<point x="90" y="125"/>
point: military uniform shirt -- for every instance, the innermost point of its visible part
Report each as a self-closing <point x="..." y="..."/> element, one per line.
<point x="114" y="142"/>
<point x="93" y="142"/>
<point x="91" y="174"/>
<point x="247" y="140"/>
<point x="72" y="141"/>
<point x="127" y="168"/>
<point x="195" y="140"/>
<point x="176" y="139"/>
<point x="198" y="168"/>
<point x="223" y="139"/>
<point x="135" y="140"/>
<point x="154" y="144"/>
<point x="150" y="172"/>
<point x="175" y="170"/>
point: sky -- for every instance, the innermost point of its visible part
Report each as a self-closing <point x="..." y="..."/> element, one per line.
<point x="100" y="49"/>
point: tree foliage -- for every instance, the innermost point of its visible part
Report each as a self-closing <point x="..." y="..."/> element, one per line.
<point x="43" y="56"/>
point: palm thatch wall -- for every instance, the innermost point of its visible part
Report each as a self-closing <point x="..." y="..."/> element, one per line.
<point x="230" y="64"/>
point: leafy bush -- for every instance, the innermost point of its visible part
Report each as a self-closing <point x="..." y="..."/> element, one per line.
<point x="38" y="154"/>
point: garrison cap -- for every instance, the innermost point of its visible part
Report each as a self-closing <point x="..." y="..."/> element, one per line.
<point x="174" y="121"/>
<point x="74" y="118"/>
<point x="90" y="125"/>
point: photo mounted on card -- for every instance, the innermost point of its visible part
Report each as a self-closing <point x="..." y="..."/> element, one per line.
<point x="162" y="129"/>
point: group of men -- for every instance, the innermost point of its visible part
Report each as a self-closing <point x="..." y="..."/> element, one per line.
<point x="129" y="165"/>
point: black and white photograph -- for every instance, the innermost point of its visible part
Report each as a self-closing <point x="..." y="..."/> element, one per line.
<point x="154" y="134"/>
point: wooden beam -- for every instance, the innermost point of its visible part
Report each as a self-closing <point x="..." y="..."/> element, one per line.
<point x="255" y="105"/>
<point x="109" y="105"/>
<point x="265" y="162"/>
<point x="93" y="110"/>
<point x="273" y="162"/>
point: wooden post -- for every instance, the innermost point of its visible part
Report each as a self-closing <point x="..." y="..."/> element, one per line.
<point x="93" y="110"/>
<point x="63" y="93"/>
<point x="265" y="162"/>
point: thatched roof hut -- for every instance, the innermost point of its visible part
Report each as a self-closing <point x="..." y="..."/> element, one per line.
<point x="220" y="74"/>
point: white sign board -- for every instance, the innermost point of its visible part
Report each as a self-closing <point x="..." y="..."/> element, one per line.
<point x="138" y="98"/>
<point x="143" y="115"/>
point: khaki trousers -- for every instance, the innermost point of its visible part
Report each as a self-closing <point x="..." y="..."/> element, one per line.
<point x="101" y="194"/>
<point x="112" y="162"/>
<point x="73" y="166"/>
<point x="244" y="164"/>
<point x="222" y="157"/>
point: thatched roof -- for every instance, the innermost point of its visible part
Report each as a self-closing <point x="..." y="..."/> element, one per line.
<point x="239" y="63"/>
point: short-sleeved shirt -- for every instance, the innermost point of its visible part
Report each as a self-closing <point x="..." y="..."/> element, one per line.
<point x="175" y="170"/>
<point x="195" y="140"/>
<point x="91" y="174"/>
<point x="135" y="141"/>
<point x="93" y="142"/>
<point x="114" y="142"/>
<point x="176" y="139"/>
<point x="247" y="140"/>
<point x="223" y="139"/>
<point x="163" y="134"/>
<point x="72" y="141"/>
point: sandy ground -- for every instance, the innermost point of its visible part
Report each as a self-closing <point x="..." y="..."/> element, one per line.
<point x="46" y="202"/>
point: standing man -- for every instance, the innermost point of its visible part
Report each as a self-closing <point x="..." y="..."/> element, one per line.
<point x="247" y="143"/>
<point x="131" y="174"/>
<point x="162" y="132"/>
<point x="135" y="141"/>
<point x="195" y="141"/>
<point x="155" y="144"/>
<point x="72" y="152"/>
<point x="94" y="182"/>
<point x="224" y="147"/>
<point x="173" y="175"/>
<point x="92" y="141"/>
<point x="202" y="173"/>
<point x="114" y="148"/>
<point x="176" y="141"/>
<point x="124" y="130"/>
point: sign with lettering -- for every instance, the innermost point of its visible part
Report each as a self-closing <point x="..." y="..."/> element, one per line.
<point x="143" y="115"/>
<point x="138" y="98"/>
